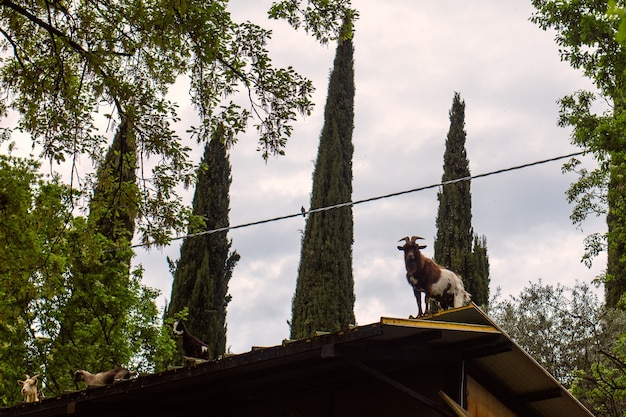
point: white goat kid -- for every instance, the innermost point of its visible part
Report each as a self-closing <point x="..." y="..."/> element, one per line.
<point x="29" y="389"/>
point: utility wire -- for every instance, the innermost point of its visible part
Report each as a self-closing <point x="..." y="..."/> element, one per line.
<point x="367" y="200"/>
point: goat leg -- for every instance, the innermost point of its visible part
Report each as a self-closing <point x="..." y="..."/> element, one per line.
<point x="418" y="298"/>
<point x="427" y="301"/>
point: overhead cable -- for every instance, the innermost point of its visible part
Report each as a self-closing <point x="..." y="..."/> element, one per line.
<point x="370" y="199"/>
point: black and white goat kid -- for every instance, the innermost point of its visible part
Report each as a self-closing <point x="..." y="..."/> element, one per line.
<point x="193" y="347"/>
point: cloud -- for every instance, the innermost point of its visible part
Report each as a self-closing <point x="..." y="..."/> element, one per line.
<point x="410" y="58"/>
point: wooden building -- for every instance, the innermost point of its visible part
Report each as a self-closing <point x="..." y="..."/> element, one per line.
<point x="455" y="363"/>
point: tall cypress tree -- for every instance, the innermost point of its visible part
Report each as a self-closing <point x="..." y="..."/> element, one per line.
<point x="94" y="329"/>
<point x="455" y="236"/>
<point x="205" y="266"/>
<point x="324" y="297"/>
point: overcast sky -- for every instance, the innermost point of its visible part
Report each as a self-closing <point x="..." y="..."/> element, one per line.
<point x="410" y="58"/>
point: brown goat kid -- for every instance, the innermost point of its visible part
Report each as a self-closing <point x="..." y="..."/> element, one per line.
<point x="425" y="275"/>
<point x="103" y="378"/>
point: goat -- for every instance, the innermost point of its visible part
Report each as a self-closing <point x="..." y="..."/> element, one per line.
<point x="193" y="347"/>
<point x="103" y="378"/>
<point x="29" y="389"/>
<point x="425" y="275"/>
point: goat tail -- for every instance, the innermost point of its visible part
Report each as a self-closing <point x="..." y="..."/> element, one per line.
<point x="462" y="298"/>
<point x="467" y="297"/>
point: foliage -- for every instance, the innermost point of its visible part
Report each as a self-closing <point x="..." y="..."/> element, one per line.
<point x="114" y="202"/>
<point x="68" y="301"/>
<point x="603" y="387"/>
<point x="588" y="39"/>
<point x="68" y="67"/>
<point x="324" y="297"/>
<point x="32" y="263"/>
<point x="315" y="17"/>
<point x="618" y="12"/>
<point x="569" y="332"/>
<point x="456" y="247"/>
<point x="556" y="325"/>
<point x="206" y="264"/>
<point x="107" y="310"/>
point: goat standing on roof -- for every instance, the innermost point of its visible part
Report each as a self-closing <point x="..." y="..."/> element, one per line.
<point x="426" y="276"/>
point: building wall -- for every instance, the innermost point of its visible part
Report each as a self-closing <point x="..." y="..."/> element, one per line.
<point x="481" y="403"/>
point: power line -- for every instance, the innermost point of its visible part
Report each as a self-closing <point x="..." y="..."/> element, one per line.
<point x="368" y="200"/>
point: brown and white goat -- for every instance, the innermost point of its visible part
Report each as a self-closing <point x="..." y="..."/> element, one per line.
<point x="193" y="347"/>
<point x="103" y="378"/>
<point x="425" y="275"/>
<point x="29" y="389"/>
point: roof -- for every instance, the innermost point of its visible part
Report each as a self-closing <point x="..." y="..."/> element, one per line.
<point x="511" y="373"/>
<point x="303" y="372"/>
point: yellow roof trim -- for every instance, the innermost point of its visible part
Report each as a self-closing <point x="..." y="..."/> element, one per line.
<point x="443" y="325"/>
<point x="470" y="306"/>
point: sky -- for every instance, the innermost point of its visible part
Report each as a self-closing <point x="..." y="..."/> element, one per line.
<point x="410" y="59"/>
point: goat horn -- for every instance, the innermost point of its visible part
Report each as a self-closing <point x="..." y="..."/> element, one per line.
<point x="414" y="238"/>
<point x="406" y="238"/>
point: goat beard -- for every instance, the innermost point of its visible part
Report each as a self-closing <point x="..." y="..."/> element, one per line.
<point x="412" y="267"/>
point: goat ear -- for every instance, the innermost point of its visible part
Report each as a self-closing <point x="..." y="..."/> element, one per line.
<point x="422" y="246"/>
<point x="400" y="247"/>
<point x="20" y="382"/>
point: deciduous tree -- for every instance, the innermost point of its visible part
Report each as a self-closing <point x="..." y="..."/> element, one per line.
<point x="68" y="303"/>
<point x="33" y="210"/>
<point x="69" y="67"/>
<point x="574" y="337"/>
<point x="586" y="36"/>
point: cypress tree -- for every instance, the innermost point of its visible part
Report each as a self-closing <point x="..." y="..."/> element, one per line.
<point x="455" y="236"/>
<point x="324" y="296"/>
<point x="480" y="269"/>
<point x="113" y="207"/>
<point x="205" y="266"/>
<point x="94" y="328"/>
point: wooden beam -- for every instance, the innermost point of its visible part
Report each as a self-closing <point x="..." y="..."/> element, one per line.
<point x="329" y="351"/>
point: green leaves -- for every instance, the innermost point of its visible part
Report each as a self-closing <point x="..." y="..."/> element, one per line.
<point x="556" y="325"/>
<point x="618" y="13"/>
<point x="69" y="299"/>
<point x="588" y="37"/>
<point x="68" y="64"/>
<point x="326" y="20"/>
